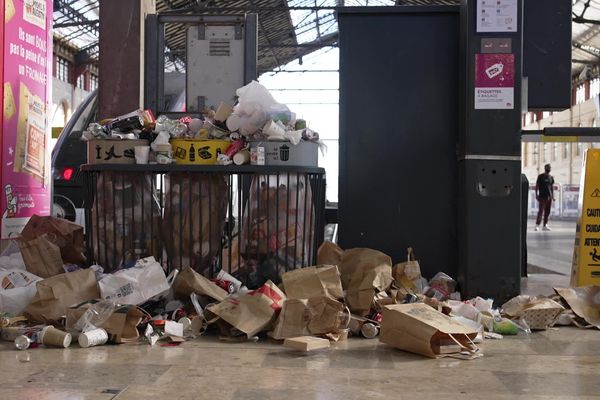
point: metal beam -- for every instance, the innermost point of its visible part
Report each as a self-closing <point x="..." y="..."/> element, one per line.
<point x="71" y="24"/>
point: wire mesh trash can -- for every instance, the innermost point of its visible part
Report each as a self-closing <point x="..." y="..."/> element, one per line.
<point x="255" y="222"/>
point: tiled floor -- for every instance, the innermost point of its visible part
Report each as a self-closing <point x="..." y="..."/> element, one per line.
<point x="555" y="364"/>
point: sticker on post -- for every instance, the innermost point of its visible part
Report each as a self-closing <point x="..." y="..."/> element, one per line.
<point x="494" y="81"/>
<point x="497" y="15"/>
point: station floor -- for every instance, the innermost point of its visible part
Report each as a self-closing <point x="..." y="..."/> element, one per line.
<point x="560" y="363"/>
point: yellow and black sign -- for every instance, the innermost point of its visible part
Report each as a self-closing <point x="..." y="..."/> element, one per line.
<point x="586" y="257"/>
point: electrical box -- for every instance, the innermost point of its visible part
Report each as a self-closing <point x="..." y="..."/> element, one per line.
<point x="215" y="65"/>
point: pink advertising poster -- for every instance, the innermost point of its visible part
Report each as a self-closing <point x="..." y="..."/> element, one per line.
<point x="27" y="85"/>
<point x="494" y="81"/>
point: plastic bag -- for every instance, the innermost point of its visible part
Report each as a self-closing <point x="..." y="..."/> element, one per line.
<point x="94" y="316"/>
<point x="11" y="258"/>
<point x="17" y="289"/>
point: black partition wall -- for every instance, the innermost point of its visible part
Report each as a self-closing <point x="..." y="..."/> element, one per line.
<point x="399" y="83"/>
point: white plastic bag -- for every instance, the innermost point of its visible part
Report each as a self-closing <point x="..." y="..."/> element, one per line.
<point x="11" y="258"/>
<point x="17" y="289"/>
<point x="135" y="285"/>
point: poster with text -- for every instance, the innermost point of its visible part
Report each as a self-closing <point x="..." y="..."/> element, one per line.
<point x="494" y="81"/>
<point x="27" y="86"/>
<point x="497" y="15"/>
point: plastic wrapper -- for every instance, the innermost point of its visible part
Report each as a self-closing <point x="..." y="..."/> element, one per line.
<point x="127" y="215"/>
<point x="441" y="286"/>
<point x="277" y="229"/>
<point x="194" y="218"/>
<point x="94" y="317"/>
<point x="11" y="258"/>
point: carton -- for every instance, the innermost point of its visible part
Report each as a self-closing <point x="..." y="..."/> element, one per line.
<point x="113" y="151"/>
<point x="304" y="154"/>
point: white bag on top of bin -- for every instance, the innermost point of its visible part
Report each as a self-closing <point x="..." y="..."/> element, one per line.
<point x="135" y="285"/>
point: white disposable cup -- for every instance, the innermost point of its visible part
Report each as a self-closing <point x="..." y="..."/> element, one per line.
<point x="142" y="153"/>
<point x="241" y="157"/>
<point x="271" y="129"/>
<point x="94" y="337"/>
<point x="234" y="123"/>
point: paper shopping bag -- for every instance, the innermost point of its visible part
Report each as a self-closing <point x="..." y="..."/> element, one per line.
<point x="418" y="328"/>
<point x="329" y="254"/>
<point x="189" y="281"/>
<point x="251" y="312"/>
<point x="292" y="320"/>
<point x="41" y="257"/>
<point x="538" y="312"/>
<point x="407" y="273"/>
<point x="371" y="274"/>
<point x="326" y="315"/>
<point x="305" y="283"/>
<point x="54" y="295"/>
<point x="65" y="234"/>
<point x="135" y="285"/>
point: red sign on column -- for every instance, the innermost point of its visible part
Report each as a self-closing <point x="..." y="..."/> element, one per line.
<point x="494" y="81"/>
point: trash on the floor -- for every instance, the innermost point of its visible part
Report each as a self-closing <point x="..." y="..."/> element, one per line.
<point x="54" y="295"/>
<point x="121" y="326"/>
<point x="68" y="236"/>
<point x="189" y="281"/>
<point x="292" y="321"/>
<point x="369" y="330"/>
<point x="584" y="301"/>
<point x="41" y="257"/>
<point x="407" y="275"/>
<point x="11" y="258"/>
<point x="306" y="343"/>
<point x="17" y="289"/>
<point x="251" y="312"/>
<point x="539" y="312"/>
<point x="135" y="285"/>
<point x="420" y="329"/>
<point x="329" y="253"/>
<point x="173" y="328"/>
<point x="327" y="315"/>
<point x="305" y="283"/>
<point x="441" y="286"/>
<point x="50" y="336"/>
<point x="95" y="337"/>
<point x="505" y="326"/>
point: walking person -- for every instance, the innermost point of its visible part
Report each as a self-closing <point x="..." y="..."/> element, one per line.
<point x="544" y="193"/>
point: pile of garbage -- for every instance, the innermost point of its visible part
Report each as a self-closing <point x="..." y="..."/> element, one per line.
<point x="257" y="116"/>
<point x="47" y="298"/>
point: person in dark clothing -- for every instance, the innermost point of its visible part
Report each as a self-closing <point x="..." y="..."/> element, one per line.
<point x="544" y="194"/>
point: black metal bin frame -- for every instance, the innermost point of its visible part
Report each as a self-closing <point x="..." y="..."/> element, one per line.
<point x="260" y="220"/>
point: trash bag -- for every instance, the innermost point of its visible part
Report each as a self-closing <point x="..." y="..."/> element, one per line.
<point x="194" y="219"/>
<point x="125" y="220"/>
<point x="277" y="227"/>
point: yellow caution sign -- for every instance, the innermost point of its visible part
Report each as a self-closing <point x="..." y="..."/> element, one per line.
<point x="586" y="257"/>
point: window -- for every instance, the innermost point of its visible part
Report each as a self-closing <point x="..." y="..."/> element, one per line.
<point x="593" y="124"/>
<point x="594" y="87"/>
<point x="536" y="153"/>
<point x="93" y="82"/>
<point x="580" y="94"/>
<point x="81" y="81"/>
<point x="578" y="149"/>
<point x="544" y="149"/>
<point x="554" y="155"/>
<point x="566" y="150"/>
<point x="525" y="151"/>
<point x="546" y="114"/>
<point x="63" y="69"/>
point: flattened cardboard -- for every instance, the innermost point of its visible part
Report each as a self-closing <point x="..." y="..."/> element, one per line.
<point x="306" y="343"/>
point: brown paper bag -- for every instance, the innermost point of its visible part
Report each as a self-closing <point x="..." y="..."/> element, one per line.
<point x="420" y="329"/>
<point x="310" y="282"/>
<point x="54" y="295"/>
<point x="65" y="234"/>
<point x="584" y="301"/>
<point x="251" y="312"/>
<point x="326" y="315"/>
<point x="41" y="257"/>
<point x="329" y="254"/>
<point x="292" y="321"/>
<point x="366" y="282"/>
<point x="189" y="281"/>
<point x="405" y="274"/>
<point x="121" y="325"/>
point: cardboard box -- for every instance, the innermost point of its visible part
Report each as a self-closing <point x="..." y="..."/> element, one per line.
<point x="304" y="154"/>
<point x="198" y="151"/>
<point x="113" y="151"/>
<point x="306" y="343"/>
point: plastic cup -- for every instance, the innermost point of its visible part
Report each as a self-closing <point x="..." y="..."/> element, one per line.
<point x="50" y="336"/>
<point x="273" y="130"/>
<point x="241" y="157"/>
<point x="94" y="337"/>
<point x="142" y="153"/>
